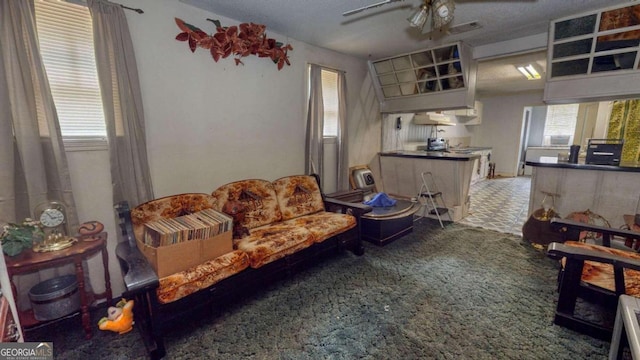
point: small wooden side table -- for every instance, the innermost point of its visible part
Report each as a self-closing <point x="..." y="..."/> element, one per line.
<point x="29" y="261"/>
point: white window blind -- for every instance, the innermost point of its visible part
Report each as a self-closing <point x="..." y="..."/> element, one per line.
<point x="66" y="45"/>
<point x="330" y="100"/>
<point x="560" y="124"/>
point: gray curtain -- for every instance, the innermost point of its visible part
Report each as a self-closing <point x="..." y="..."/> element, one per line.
<point x="122" y="102"/>
<point x="343" y="153"/>
<point x="314" y="149"/>
<point x="33" y="164"/>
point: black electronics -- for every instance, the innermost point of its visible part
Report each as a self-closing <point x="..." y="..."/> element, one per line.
<point x="574" y="152"/>
<point x="398" y="123"/>
<point x="604" y="151"/>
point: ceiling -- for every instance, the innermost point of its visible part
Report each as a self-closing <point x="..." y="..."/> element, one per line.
<point x="384" y="31"/>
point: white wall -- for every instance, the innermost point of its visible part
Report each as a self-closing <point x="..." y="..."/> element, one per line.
<point x="201" y="114"/>
<point x="502" y="126"/>
<point x="211" y="123"/>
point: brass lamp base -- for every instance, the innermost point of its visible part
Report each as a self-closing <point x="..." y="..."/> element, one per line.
<point x="58" y="243"/>
<point x="544" y="215"/>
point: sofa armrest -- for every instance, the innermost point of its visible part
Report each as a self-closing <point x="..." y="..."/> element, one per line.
<point x="124" y="222"/>
<point x="138" y="275"/>
<point x="571" y="229"/>
<point x="355" y="209"/>
<point x="558" y="251"/>
<point x="575" y="258"/>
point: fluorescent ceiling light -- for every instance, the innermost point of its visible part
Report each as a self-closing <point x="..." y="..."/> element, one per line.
<point x="529" y="72"/>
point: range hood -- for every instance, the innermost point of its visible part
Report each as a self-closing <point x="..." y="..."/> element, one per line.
<point x="467" y="114"/>
<point x="432" y="118"/>
<point x="466" y="117"/>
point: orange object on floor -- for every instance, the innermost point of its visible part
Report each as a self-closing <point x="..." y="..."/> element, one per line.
<point x="120" y="318"/>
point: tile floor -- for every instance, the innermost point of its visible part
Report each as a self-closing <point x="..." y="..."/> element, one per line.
<point x="499" y="204"/>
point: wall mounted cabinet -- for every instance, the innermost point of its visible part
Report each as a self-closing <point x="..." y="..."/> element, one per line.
<point x="594" y="56"/>
<point x="471" y="116"/>
<point x="431" y="79"/>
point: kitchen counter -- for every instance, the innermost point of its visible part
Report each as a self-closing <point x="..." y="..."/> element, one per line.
<point x="401" y="175"/>
<point x="433" y="155"/>
<point x="564" y="147"/>
<point x="471" y="148"/>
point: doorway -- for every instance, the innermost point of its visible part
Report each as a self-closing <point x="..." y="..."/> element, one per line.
<point x="500" y="204"/>
<point x="524" y="140"/>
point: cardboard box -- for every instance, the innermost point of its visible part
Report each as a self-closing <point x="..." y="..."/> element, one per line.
<point x="167" y="260"/>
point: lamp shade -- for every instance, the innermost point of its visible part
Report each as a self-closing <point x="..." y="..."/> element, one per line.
<point x="442" y="12"/>
<point x="419" y="18"/>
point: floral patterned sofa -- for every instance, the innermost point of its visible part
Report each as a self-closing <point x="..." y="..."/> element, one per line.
<point x="286" y="224"/>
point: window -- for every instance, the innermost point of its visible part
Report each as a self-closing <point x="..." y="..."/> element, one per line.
<point x="330" y="101"/>
<point x="66" y="45"/>
<point x="560" y="124"/>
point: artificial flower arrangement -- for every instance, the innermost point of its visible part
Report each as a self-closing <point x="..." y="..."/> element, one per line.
<point x="17" y="237"/>
<point x="242" y="40"/>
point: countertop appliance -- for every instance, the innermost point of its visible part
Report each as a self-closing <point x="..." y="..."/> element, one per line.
<point x="436" y="144"/>
<point x="604" y="151"/>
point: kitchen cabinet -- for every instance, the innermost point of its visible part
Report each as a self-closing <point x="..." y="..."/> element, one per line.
<point x="481" y="165"/>
<point x="594" y="56"/>
<point x="438" y="78"/>
<point x="471" y="116"/>
<point x="475" y="173"/>
<point x="485" y="159"/>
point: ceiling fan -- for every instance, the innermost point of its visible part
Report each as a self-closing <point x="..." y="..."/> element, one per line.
<point x="441" y="12"/>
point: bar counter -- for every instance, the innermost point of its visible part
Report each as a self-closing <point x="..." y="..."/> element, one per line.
<point x="553" y="162"/>
<point x="609" y="191"/>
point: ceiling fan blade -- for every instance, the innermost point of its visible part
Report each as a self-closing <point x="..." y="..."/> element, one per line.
<point x="355" y="11"/>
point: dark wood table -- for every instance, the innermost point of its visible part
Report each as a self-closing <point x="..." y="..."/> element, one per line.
<point x="29" y="261"/>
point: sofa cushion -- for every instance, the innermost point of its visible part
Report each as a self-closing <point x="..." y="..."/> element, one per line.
<point x="258" y="198"/>
<point x="298" y="195"/>
<point x="272" y="242"/>
<point x="167" y="207"/>
<point x="601" y="275"/>
<point x="181" y="284"/>
<point x="324" y="225"/>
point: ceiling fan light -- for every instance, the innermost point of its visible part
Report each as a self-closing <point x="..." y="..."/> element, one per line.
<point x="442" y="11"/>
<point x="419" y="18"/>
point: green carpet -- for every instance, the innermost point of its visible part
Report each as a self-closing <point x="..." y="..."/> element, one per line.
<point x="457" y="293"/>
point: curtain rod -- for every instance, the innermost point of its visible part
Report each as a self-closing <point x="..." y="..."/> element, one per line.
<point x="139" y="11"/>
<point x="84" y="3"/>
<point x="329" y="68"/>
